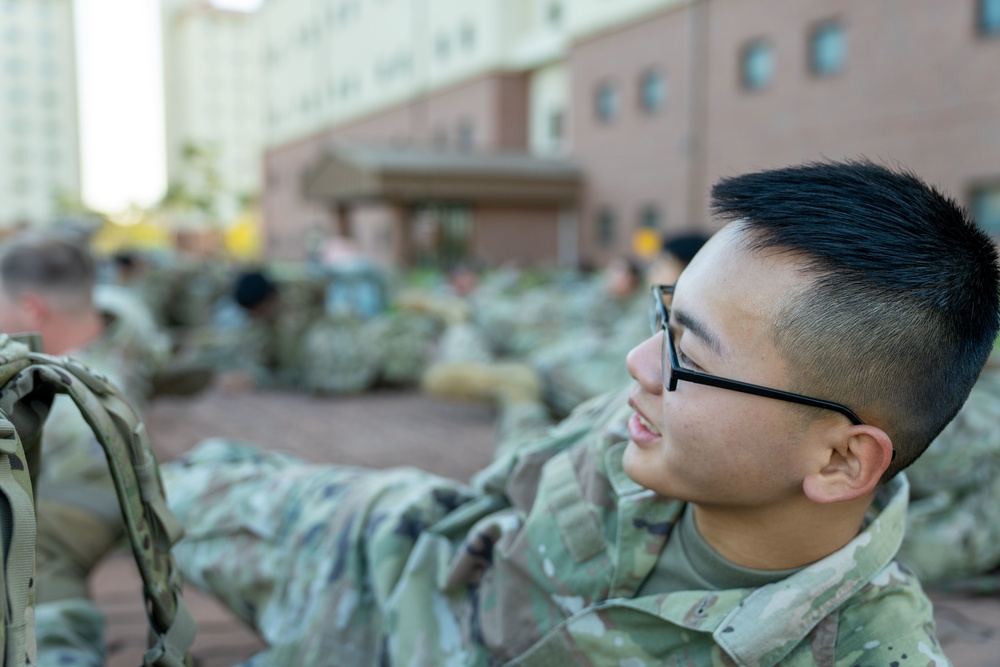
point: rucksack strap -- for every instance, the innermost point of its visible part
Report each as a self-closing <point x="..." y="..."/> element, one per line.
<point x="17" y="518"/>
<point x="29" y="381"/>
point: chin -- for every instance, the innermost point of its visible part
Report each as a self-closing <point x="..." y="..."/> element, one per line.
<point x="634" y="465"/>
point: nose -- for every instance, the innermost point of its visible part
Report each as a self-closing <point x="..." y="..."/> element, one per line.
<point x="644" y="364"/>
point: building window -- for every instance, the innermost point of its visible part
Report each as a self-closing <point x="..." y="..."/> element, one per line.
<point x="556" y="125"/>
<point x="468" y="36"/>
<point x="440" y="138"/>
<point x="986" y="207"/>
<point x="442" y="47"/>
<point x="756" y="65"/>
<point x="988" y="17"/>
<point x="606" y="101"/>
<point x="466" y="137"/>
<point x="554" y="14"/>
<point x="827" y="48"/>
<point x="652" y="91"/>
<point x="605" y="227"/>
<point x="650" y="217"/>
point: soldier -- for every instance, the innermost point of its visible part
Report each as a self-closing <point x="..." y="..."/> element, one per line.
<point x="953" y="535"/>
<point x="742" y="504"/>
<point x="587" y="362"/>
<point x="47" y="286"/>
<point x="264" y="345"/>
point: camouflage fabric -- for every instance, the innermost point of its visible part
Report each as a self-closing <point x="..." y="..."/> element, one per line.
<point x="181" y="291"/>
<point x="405" y="343"/>
<point x="67" y="630"/>
<point x="953" y="532"/>
<point x="590" y="361"/>
<point x="463" y="342"/>
<point x="537" y="562"/>
<point x="341" y="357"/>
<point x="79" y="515"/>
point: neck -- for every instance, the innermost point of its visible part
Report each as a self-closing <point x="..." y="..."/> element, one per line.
<point x="68" y="333"/>
<point x="780" y="538"/>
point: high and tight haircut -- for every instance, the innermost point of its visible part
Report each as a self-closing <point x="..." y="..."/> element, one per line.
<point x="52" y="264"/>
<point x="899" y="308"/>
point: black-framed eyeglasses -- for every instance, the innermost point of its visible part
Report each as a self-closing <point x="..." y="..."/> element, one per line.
<point x="659" y="316"/>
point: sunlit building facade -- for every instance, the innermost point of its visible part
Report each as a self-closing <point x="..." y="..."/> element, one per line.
<point x="447" y="84"/>
<point x="212" y="68"/>
<point x="622" y="114"/>
<point x="39" y="132"/>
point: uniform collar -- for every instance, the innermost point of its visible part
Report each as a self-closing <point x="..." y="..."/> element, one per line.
<point x="761" y="626"/>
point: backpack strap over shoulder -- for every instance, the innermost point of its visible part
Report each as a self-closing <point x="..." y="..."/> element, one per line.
<point x="152" y="529"/>
<point x="17" y="527"/>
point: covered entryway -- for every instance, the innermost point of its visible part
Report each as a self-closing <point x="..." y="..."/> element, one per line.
<point x="412" y="206"/>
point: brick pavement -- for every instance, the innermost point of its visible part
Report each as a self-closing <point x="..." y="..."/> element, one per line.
<point x="379" y="430"/>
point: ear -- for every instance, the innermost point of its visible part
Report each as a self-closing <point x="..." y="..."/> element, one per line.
<point x="853" y="465"/>
<point x="35" y="310"/>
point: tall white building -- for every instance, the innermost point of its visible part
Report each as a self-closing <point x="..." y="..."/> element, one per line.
<point x="330" y="62"/>
<point x="213" y="102"/>
<point x="39" y="133"/>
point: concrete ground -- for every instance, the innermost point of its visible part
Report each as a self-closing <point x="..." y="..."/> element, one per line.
<point x="379" y="430"/>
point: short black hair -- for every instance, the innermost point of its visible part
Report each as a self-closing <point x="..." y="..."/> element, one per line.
<point x="124" y="260"/>
<point x="684" y="246"/>
<point x="903" y="305"/>
<point x="252" y="288"/>
<point x="48" y="262"/>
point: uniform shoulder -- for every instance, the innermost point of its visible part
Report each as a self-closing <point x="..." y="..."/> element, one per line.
<point x="890" y="621"/>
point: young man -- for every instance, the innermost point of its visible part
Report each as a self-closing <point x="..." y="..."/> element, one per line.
<point x="47" y="286"/>
<point x="747" y="514"/>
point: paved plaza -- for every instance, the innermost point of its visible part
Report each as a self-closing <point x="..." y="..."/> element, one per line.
<point x="378" y="430"/>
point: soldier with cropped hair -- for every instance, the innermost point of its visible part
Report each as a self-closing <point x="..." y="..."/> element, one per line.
<point x="742" y="504"/>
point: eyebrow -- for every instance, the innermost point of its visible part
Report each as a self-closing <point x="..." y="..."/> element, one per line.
<point x="701" y="330"/>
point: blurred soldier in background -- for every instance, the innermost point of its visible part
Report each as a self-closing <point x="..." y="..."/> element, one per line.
<point x="263" y="344"/>
<point x="953" y="527"/>
<point x="47" y="286"/>
<point x="586" y="362"/>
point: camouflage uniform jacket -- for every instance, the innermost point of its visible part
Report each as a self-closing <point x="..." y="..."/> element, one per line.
<point x="540" y="563"/>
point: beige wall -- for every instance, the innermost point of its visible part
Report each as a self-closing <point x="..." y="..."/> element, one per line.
<point x="526" y="236"/>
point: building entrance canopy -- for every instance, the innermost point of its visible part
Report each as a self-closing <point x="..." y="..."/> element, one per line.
<point x="350" y="173"/>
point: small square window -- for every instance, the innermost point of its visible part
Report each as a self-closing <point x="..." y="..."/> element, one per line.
<point x="988" y="17"/>
<point x="466" y="136"/>
<point x="986" y="207"/>
<point x="606" y="227"/>
<point x="827" y="48"/>
<point x="553" y="14"/>
<point x="556" y="121"/>
<point x="650" y="217"/>
<point x="606" y="102"/>
<point x="652" y="91"/>
<point x="442" y="47"/>
<point x="756" y="65"/>
<point x="468" y="36"/>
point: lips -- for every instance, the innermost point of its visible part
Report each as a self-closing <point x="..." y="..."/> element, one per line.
<point x="641" y="430"/>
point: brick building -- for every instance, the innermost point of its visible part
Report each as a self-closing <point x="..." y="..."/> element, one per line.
<point x="626" y="123"/>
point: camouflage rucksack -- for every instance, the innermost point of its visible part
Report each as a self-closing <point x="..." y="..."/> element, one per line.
<point x="29" y="382"/>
